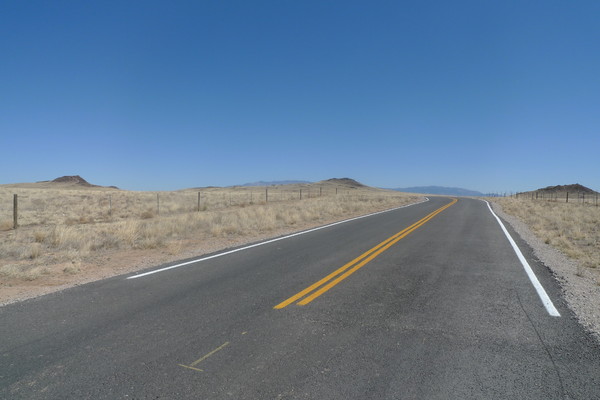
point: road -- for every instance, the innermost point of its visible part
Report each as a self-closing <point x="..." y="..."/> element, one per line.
<point x="426" y="302"/>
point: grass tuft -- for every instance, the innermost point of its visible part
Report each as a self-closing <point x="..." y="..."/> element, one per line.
<point x="6" y="225"/>
<point x="23" y="272"/>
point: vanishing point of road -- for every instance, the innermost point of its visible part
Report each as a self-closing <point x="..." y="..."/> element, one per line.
<point x="429" y="301"/>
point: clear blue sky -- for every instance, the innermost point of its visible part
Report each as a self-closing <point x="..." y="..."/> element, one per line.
<point x="160" y="95"/>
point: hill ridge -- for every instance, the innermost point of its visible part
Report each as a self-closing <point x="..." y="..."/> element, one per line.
<point x="573" y="188"/>
<point x="73" y="179"/>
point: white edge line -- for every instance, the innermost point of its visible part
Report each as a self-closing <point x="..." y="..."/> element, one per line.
<point x="534" y="280"/>
<point x="268" y="241"/>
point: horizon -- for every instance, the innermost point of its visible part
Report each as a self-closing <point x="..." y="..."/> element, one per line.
<point x="299" y="181"/>
<point x="495" y="98"/>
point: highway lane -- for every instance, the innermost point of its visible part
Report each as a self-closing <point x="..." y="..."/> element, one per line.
<point x="446" y="312"/>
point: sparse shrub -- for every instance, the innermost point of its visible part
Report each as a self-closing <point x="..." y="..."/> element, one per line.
<point x="85" y="219"/>
<point x="66" y="237"/>
<point x="149" y="243"/>
<point x="175" y="248"/>
<point x="103" y="240"/>
<point x="72" y="269"/>
<point x="40" y="236"/>
<point x="22" y="271"/>
<point x="29" y="251"/>
<point x="6" y="225"/>
<point x="35" y="250"/>
<point x="71" y="221"/>
<point x="147" y="214"/>
<point x="11" y="270"/>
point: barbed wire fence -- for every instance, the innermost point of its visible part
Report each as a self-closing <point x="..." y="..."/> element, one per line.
<point x="582" y="198"/>
<point x="35" y="207"/>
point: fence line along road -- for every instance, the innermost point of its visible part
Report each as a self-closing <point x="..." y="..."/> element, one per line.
<point x="564" y="197"/>
<point x="40" y="207"/>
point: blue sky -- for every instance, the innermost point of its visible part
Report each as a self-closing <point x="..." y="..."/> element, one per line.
<point x="158" y="95"/>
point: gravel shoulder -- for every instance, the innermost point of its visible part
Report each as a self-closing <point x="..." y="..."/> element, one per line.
<point x="580" y="289"/>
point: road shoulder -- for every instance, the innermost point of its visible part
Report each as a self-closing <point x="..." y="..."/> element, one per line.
<point x="580" y="291"/>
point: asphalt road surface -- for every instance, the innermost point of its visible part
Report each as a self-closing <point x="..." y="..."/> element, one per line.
<point x="425" y="302"/>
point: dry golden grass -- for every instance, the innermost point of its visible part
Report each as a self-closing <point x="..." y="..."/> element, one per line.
<point x="22" y="272"/>
<point x="71" y="205"/>
<point x="572" y="228"/>
<point x="70" y="227"/>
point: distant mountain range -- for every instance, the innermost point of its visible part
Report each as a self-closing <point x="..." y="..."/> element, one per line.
<point x="442" y="190"/>
<point x="338" y="181"/>
<point x="271" y="183"/>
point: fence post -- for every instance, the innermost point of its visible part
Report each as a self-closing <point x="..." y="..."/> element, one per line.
<point x="567" y="197"/>
<point x="198" y="201"/>
<point x="320" y="191"/>
<point x="15" y="211"/>
<point x="266" y="195"/>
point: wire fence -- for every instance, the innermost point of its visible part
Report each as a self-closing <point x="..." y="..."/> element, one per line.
<point x="561" y="197"/>
<point x="22" y="207"/>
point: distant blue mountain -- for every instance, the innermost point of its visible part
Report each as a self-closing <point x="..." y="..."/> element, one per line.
<point x="448" y="191"/>
<point x="271" y="183"/>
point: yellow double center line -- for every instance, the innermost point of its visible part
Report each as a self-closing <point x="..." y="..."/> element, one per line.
<point x="328" y="282"/>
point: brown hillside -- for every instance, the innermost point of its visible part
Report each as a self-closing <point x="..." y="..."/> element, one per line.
<point x="345" y="181"/>
<point x="574" y="188"/>
<point x="73" y="180"/>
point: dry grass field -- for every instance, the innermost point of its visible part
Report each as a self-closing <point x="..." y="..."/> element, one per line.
<point x="66" y="232"/>
<point x="72" y="204"/>
<point x="573" y="228"/>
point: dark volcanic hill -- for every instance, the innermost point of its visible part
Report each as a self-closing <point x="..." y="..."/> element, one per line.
<point x="574" y="188"/>
<point x="74" y="180"/>
<point x="77" y="181"/>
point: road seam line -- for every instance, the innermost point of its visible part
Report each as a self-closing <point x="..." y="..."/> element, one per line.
<point x="187" y="366"/>
<point x="198" y="361"/>
<point x="532" y="277"/>
<point x="269" y="241"/>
